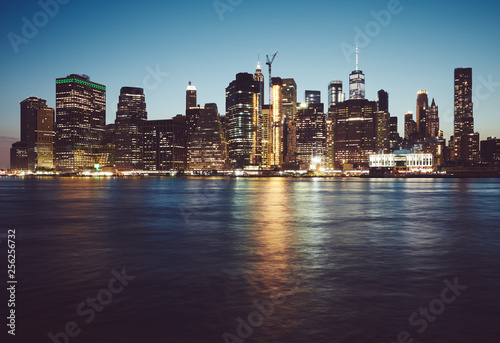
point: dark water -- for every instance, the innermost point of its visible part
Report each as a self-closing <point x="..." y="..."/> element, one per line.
<point x="343" y="261"/>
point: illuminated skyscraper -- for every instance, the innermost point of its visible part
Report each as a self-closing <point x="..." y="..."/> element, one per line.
<point x="289" y="95"/>
<point x="35" y="151"/>
<point x="190" y="96"/>
<point x="276" y="124"/>
<point x="422" y="109"/>
<point x="335" y="95"/>
<point x="465" y="139"/>
<point x="242" y="110"/>
<point x="355" y="132"/>
<point x="165" y="144"/>
<point x="311" y="133"/>
<point x="130" y="118"/>
<point x="432" y="121"/>
<point x="313" y="97"/>
<point x="207" y="146"/>
<point x="81" y="121"/>
<point x="357" y="82"/>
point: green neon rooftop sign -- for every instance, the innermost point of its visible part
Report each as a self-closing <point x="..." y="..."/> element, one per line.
<point x="81" y="82"/>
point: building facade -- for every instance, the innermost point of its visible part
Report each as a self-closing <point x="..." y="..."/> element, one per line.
<point x="242" y="110"/>
<point x="130" y="118"/>
<point x="165" y="144"/>
<point x="35" y="151"/>
<point x="80" y="121"/>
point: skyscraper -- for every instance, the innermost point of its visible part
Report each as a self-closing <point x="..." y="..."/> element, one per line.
<point x="130" y="118"/>
<point x="276" y="124"/>
<point x="357" y="82"/>
<point x="35" y="151"/>
<point x="242" y="109"/>
<point x="207" y="146"/>
<point x="165" y="144"/>
<point x="410" y="127"/>
<point x="311" y="133"/>
<point x="432" y="121"/>
<point x="394" y="137"/>
<point x="190" y="96"/>
<point x="259" y="77"/>
<point x="313" y="97"/>
<point x="383" y="101"/>
<point x="355" y="132"/>
<point x="465" y="148"/>
<point x="335" y="94"/>
<point x="289" y="95"/>
<point x="422" y="109"/>
<point x="81" y="121"/>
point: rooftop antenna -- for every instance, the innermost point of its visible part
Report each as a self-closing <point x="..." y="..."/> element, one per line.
<point x="357" y="58"/>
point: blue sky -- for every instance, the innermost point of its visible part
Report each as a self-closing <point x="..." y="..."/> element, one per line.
<point x="121" y="43"/>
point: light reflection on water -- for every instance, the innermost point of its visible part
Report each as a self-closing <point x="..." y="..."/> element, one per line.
<point x="364" y="254"/>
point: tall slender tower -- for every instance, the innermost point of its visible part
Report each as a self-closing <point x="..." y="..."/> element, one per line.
<point x="357" y="81"/>
<point x="190" y="96"/>
<point x="422" y="108"/>
<point x="433" y="121"/>
<point x="466" y="142"/>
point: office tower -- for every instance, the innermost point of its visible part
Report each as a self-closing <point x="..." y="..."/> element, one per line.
<point x="290" y="148"/>
<point x="394" y="137"/>
<point x="277" y="121"/>
<point x="35" y="151"/>
<point x="19" y="156"/>
<point x="165" y="144"/>
<point x="311" y="133"/>
<point x="289" y="96"/>
<point x="130" y="118"/>
<point x="259" y="77"/>
<point x="357" y="82"/>
<point x="464" y="119"/>
<point x="381" y="120"/>
<point x="490" y="150"/>
<point x="335" y="95"/>
<point x="313" y="97"/>
<point x="330" y="145"/>
<point x="190" y="96"/>
<point x="80" y="121"/>
<point x="207" y="146"/>
<point x="265" y="136"/>
<point x="354" y="132"/>
<point x="383" y="101"/>
<point x="439" y="149"/>
<point x="432" y="121"/>
<point x="242" y="110"/>
<point x="410" y="126"/>
<point x="422" y="109"/>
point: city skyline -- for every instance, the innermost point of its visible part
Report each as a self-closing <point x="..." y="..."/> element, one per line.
<point x="391" y="61"/>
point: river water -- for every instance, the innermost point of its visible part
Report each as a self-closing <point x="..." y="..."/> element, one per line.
<point x="253" y="260"/>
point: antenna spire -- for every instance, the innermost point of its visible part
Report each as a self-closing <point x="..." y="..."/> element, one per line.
<point x="357" y="58"/>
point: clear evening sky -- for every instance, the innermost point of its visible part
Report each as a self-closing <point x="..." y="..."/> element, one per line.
<point x="162" y="45"/>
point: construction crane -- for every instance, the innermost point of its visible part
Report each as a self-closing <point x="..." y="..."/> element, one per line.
<point x="270" y="63"/>
<point x="271" y="119"/>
